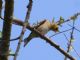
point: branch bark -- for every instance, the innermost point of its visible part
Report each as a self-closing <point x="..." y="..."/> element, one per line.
<point x="1" y="7"/>
<point x="7" y="23"/>
<point x="24" y="28"/>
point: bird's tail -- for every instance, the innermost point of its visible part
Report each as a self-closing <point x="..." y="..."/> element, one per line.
<point x="27" y="40"/>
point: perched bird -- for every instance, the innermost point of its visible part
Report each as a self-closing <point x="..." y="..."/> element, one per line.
<point x="43" y="27"/>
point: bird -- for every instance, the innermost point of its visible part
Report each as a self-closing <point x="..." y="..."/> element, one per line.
<point x="43" y="27"/>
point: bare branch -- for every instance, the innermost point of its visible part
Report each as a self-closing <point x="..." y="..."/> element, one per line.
<point x="24" y="28"/>
<point x="60" y="32"/>
<point x="72" y="47"/>
<point x="52" y="43"/>
<point x="15" y="38"/>
<point x="70" y="42"/>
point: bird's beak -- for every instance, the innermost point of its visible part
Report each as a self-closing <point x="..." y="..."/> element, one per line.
<point x="56" y="30"/>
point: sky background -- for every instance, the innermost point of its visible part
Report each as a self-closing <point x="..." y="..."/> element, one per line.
<point x="38" y="49"/>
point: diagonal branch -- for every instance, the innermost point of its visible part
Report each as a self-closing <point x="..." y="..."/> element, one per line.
<point x="60" y="32"/>
<point x="52" y="43"/>
<point x="70" y="42"/>
<point x="72" y="47"/>
<point x="24" y="28"/>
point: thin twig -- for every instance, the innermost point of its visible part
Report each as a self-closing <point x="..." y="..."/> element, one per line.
<point x="69" y="19"/>
<point x="15" y="38"/>
<point x="60" y="32"/>
<point x="72" y="47"/>
<point x="74" y="28"/>
<point x="24" y="28"/>
<point x="70" y="42"/>
<point x="12" y="39"/>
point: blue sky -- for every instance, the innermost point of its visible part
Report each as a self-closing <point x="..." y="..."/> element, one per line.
<point x="38" y="49"/>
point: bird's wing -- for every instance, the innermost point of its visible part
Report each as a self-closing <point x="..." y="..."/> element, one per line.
<point x="42" y="22"/>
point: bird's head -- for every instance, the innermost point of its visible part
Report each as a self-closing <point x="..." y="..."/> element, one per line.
<point x="54" y="27"/>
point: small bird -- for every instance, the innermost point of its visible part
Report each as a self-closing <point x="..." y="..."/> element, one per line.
<point x="43" y="27"/>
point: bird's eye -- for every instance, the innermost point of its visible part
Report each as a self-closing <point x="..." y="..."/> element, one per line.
<point x="56" y="29"/>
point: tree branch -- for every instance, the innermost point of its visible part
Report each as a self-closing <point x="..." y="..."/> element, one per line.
<point x="24" y="28"/>
<point x="1" y="7"/>
<point x="70" y="41"/>
<point x="7" y="23"/>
